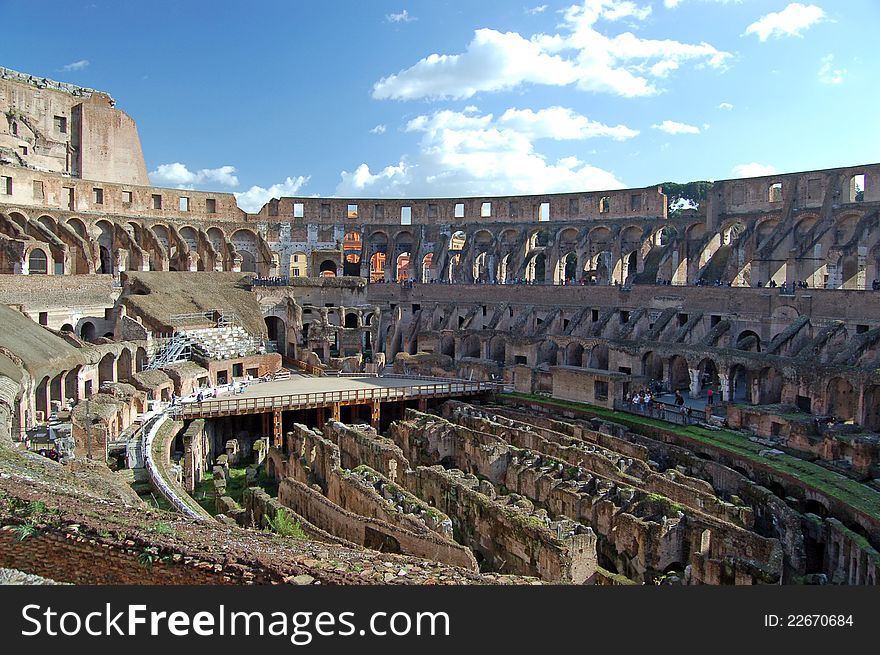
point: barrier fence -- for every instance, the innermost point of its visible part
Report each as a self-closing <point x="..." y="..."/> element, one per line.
<point x="264" y="404"/>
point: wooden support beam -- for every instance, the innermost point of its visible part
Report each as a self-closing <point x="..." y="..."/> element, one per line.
<point x="375" y="414"/>
<point x="277" y="434"/>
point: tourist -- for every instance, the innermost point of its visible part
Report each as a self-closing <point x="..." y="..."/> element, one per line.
<point x="710" y="397"/>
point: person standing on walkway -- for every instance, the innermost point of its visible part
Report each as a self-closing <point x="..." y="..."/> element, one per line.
<point x="710" y="397"/>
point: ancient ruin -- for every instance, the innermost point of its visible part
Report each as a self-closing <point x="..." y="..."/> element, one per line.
<point x="429" y="390"/>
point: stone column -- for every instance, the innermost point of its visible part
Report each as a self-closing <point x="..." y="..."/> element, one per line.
<point x="724" y="384"/>
<point x="695" y="382"/>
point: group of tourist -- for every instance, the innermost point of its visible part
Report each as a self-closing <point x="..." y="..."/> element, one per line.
<point x="645" y="401"/>
<point x="269" y="281"/>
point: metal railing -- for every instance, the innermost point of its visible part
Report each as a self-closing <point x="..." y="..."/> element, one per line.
<point x="156" y="476"/>
<point x="662" y="411"/>
<point x="259" y="405"/>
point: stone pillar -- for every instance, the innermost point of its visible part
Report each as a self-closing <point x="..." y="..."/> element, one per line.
<point x="724" y="385"/>
<point x="375" y="414"/>
<point x="277" y="434"/>
<point x="695" y="382"/>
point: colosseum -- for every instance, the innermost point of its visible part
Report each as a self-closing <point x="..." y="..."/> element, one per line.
<point x="600" y="388"/>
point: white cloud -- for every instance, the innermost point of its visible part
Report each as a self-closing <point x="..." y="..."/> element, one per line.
<point x="726" y="106"/>
<point x="791" y="21"/>
<point x="540" y="9"/>
<point x="379" y="129"/>
<point x="672" y="4"/>
<point x="469" y="153"/>
<point x="753" y="169"/>
<point x="561" y="123"/>
<point x="674" y="127"/>
<point x="828" y="74"/>
<point x="76" y="65"/>
<point x="254" y="198"/>
<point x="403" y="17"/>
<point x="579" y="54"/>
<point x="178" y="174"/>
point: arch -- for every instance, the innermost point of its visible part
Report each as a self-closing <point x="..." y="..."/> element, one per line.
<point x="369" y="319"/>
<point x="765" y="231"/>
<point x="547" y="353"/>
<point x="498" y="349"/>
<point x="679" y="376"/>
<point x="447" y="345"/>
<point x="124" y="366"/>
<point x="599" y="357"/>
<point x="871" y="420"/>
<point x="536" y="268"/>
<point x="842" y="399"/>
<point x="78" y="226"/>
<point x="652" y="366"/>
<point x="708" y="374"/>
<point x="67" y="327"/>
<point x="770" y="383"/>
<point x="471" y="346"/>
<point x="38" y="263"/>
<point x="71" y="384"/>
<point x="377" y="267"/>
<point x="41" y="397"/>
<point x="248" y="262"/>
<point x="428" y="272"/>
<point x="140" y="358"/>
<point x="403" y="268"/>
<point x="566" y="269"/>
<point x="351" y="320"/>
<point x="276" y="330"/>
<point x="748" y="340"/>
<point x="574" y="354"/>
<point x="351" y="253"/>
<point x="106" y="368"/>
<point x="457" y="241"/>
<point x="740" y="386"/>
<point x="327" y="268"/>
<point x="87" y="330"/>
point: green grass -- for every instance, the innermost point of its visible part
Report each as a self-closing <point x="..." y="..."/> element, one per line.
<point x="235" y="487"/>
<point x="844" y="489"/>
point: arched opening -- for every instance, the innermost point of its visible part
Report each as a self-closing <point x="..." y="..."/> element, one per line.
<point x="141" y="359"/>
<point x="574" y="354"/>
<point x="327" y="268"/>
<point x="471" y="346"/>
<point x="123" y="366"/>
<point x="497" y="350"/>
<point x="87" y="331"/>
<point x="248" y="262"/>
<point x="377" y="267"/>
<point x="447" y="345"/>
<point x="106" y="368"/>
<point x="351" y="320"/>
<point x="872" y="409"/>
<point x="599" y="357"/>
<point x="71" y="384"/>
<point x="41" y="398"/>
<point x="38" y="263"/>
<point x="652" y="366"/>
<point x="547" y="353"/>
<point x="748" y="341"/>
<point x="679" y="377"/>
<point x="535" y="269"/>
<point x="67" y="327"/>
<point x="740" y="389"/>
<point x="428" y="272"/>
<point x="277" y="332"/>
<point x="770" y="383"/>
<point x="842" y="400"/>
<point x="403" y="267"/>
<point x="708" y="375"/>
<point x="351" y="251"/>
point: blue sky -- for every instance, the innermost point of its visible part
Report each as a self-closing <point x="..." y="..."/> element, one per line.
<point x="446" y="98"/>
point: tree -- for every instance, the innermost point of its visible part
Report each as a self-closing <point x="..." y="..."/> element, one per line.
<point x="682" y="196"/>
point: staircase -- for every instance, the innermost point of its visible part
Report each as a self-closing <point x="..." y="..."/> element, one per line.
<point x="175" y="348"/>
